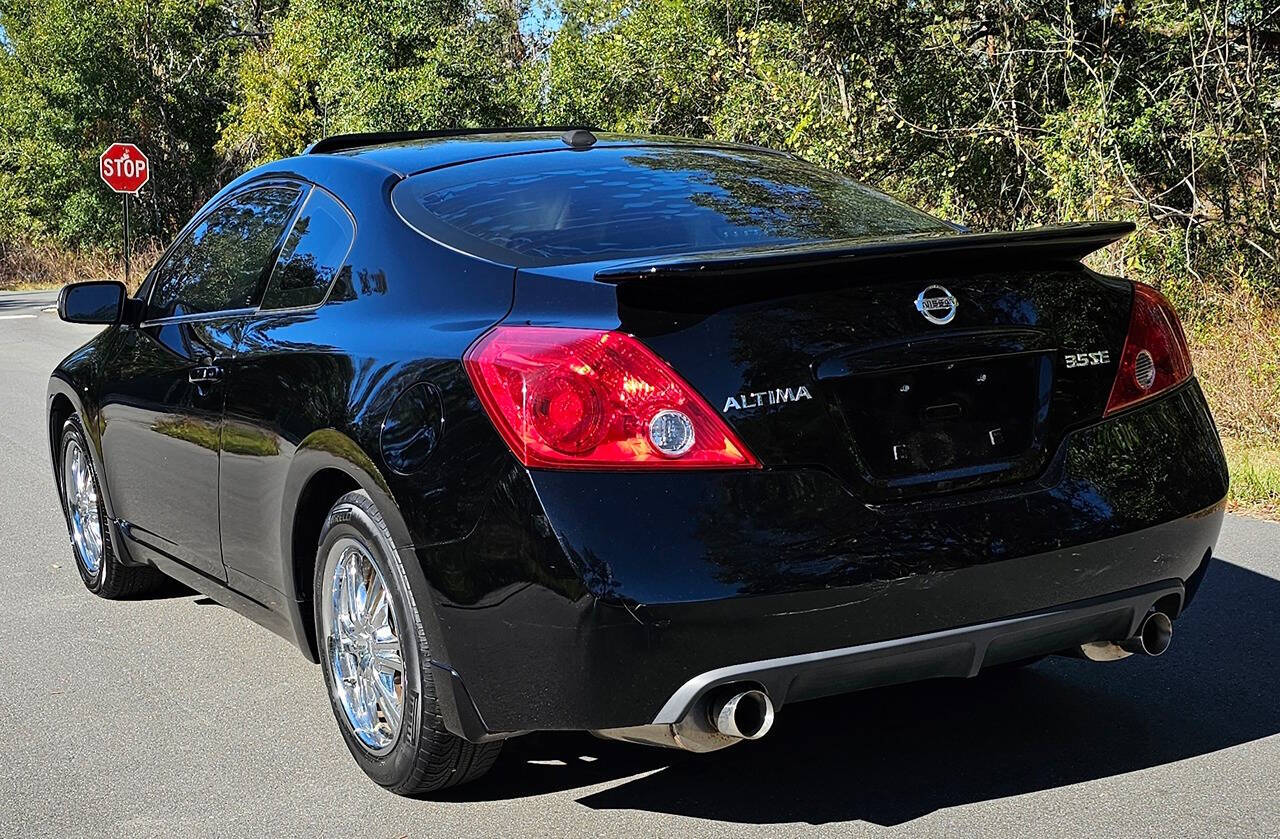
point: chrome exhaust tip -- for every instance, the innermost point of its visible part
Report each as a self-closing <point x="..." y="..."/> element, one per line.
<point x="745" y="714"/>
<point x="720" y="719"/>
<point x="1155" y="634"/>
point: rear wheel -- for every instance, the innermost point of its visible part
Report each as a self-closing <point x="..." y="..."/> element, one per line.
<point x="376" y="663"/>
<point x="102" y="573"/>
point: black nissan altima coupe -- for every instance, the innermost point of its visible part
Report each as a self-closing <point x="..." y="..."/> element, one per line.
<point x="551" y="429"/>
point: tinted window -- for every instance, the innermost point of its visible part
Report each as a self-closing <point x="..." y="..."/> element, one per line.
<point x="607" y="203"/>
<point x="312" y="256"/>
<point x="219" y="265"/>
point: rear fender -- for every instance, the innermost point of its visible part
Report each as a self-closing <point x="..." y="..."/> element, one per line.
<point x="329" y="449"/>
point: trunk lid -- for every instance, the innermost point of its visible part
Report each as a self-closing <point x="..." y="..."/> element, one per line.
<point x="907" y="367"/>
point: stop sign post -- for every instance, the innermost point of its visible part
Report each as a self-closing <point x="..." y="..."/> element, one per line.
<point x="125" y="169"/>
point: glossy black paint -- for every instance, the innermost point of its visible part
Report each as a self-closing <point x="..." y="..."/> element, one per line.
<point x="582" y="600"/>
<point x="1068" y="242"/>
<point x="721" y="568"/>
<point x="840" y="338"/>
<point x="159" y="436"/>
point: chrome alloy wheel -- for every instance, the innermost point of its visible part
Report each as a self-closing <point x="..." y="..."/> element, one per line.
<point x="363" y="646"/>
<point x="81" y="498"/>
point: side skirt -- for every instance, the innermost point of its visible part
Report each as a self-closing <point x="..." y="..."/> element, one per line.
<point x="237" y="601"/>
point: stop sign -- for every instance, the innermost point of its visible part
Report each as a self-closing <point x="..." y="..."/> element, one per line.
<point x="124" y="167"/>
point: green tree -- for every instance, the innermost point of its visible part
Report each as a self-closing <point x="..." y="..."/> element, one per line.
<point x="76" y="75"/>
<point x="378" y="65"/>
<point x="993" y="114"/>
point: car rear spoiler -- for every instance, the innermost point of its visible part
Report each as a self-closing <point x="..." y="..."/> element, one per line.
<point x="1031" y="248"/>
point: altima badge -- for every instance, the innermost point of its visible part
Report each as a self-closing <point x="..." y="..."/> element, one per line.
<point x="937" y="305"/>
<point x="746" y="401"/>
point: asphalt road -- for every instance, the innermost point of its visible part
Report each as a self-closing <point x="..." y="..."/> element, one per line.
<point x="173" y="716"/>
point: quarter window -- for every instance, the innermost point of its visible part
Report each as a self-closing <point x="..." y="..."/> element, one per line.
<point x="313" y="255"/>
<point x="220" y="264"/>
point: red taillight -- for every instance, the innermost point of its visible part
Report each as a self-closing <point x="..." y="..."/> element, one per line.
<point x="1155" y="356"/>
<point x="593" y="399"/>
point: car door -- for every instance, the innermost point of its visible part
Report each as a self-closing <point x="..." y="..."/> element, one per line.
<point x="286" y="380"/>
<point x="162" y="394"/>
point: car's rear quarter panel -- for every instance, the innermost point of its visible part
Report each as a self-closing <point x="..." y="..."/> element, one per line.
<point x="323" y="380"/>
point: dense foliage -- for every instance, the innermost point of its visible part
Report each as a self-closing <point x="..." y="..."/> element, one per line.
<point x="994" y="114"/>
<point x="76" y="75"/>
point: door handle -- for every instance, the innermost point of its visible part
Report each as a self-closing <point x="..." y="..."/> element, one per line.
<point x="205" y="375"/>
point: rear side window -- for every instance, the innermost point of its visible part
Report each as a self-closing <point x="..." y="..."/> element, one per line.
<point x="631" y="202"/>
<point x="220" y="264"/>
<point x="313" y="255"/>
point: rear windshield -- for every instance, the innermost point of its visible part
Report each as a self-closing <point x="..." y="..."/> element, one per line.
<point x="632" y="202"/>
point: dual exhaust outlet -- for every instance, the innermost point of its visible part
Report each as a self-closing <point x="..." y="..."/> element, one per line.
<point x="1153" y="638"/>
<point x="748" y="714"/>
<point x="735" y="713"/>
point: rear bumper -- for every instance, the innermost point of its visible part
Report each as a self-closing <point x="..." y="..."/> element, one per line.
<point x="595" y="601"/>
<point x="958" y="652"/>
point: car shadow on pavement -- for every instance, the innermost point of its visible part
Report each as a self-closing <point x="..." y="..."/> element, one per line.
<point x="892" y="755"/>
<point x="23" y="303"/>
<point x="167" y="589"/>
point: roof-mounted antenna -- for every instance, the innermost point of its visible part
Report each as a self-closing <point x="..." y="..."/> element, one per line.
<point x="578" y="138"/>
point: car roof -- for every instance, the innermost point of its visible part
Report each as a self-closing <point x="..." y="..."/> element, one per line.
<point x="408" y="153"/>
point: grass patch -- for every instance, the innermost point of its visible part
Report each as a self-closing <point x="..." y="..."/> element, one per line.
<point x="1235" y="346"/>
<point x="1255" y="478"/>
<point x="26" y="266"/>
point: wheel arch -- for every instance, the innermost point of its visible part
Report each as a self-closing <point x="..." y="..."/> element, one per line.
<point x="64" y="401"/>
<point x="326" y="465"/>
<point x="60" y="410"/>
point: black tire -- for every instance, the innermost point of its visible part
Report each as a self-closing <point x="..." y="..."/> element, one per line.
<point x="425" y="757"/>
<point x="112" y="579"/>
